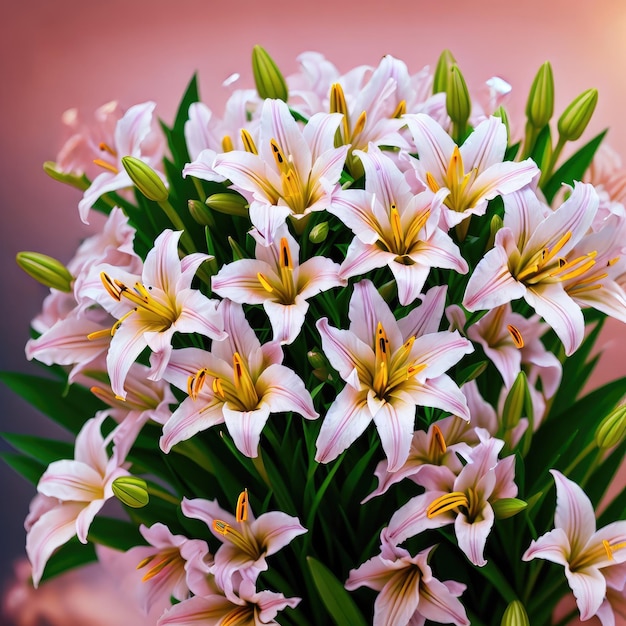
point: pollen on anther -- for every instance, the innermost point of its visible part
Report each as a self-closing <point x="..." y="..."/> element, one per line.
<point x="516" y="335"/>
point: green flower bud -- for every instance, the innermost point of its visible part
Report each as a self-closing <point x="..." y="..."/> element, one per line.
<point x="200" y="213"/>
<point x="442" y="71"/>
<point x="612" y="428"/>
<point x="131" y="491"/>
<point x="515" y="615"/>
<point x="508" y="507"/>
<point x="229" y="203"/>
<point x="576" y="116"/>
<point x="458" y="103"/>
<point x="80" y="182"/>
<point x="46" y="270"/>
<point x="319" y="232"/>
<point x="495" y="225"/>
<point x="540" y="105"/>
<point x="270" y="83"/>
<point x="516" y="401"/>
<point x="145" y="179"/>
<point x="501" y="113"/>
<point x="316" y="358"/>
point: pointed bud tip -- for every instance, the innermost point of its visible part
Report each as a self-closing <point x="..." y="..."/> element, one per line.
<point x="577" y="115"/>
<point x="269" y="81"/>
<point x="46" y="270"/>
<point x="145" y="179"/>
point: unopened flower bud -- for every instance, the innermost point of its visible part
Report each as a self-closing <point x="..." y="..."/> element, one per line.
<point x="46" y="270"/>
<point x="495" y="225"/>
<point x="200" y="213"/>
<point x="80" y="182"/>
<point x="145" y="179"/>
<point x="318" y="233"/>
<point x="316" y="358"/>
<point x="612" y="428"/>
<point x="442" y="71"/>
<point x="540" y="105"/>
<point x="131" y="491"/>
<point x="576" y="116"/>
<point x="458" y="103"/>
<point x="501" y="114"/>
<point x="229" y="203"/>
<point x="516" y="400"/>
<point x="515" y="615"/>
<point x="508" y="507"/>
<point x="269" y="81"/>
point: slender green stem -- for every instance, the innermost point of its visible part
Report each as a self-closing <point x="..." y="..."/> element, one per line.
<point x="173" y="217"/>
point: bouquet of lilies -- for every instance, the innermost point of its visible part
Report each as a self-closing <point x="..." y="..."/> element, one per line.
<point x="327" y="352"/>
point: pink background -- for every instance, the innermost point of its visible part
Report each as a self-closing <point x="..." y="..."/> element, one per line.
<point x="72" y="53"/>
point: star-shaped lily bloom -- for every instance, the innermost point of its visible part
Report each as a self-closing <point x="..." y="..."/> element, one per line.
<point x="390" y="371"/>
<point x="246" y="541"/>
<point x="247" y="608"/>
<point x="575" y="543"/>
<point x="79" y="487"/>
<point x="276" y="280"/>
<point x="529" y="260"/>
<point x="291" y="172"/>
<point x="409" y="593"/>
<point x="464" y="500"/>
<point x="473" y="173"/>
<point x="134" y="136"/>
<point x="240" y="382"/>
<point x="160" y="303"/>
<point x="394" y="227"/>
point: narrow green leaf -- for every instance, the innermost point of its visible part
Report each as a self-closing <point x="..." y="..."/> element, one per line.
<point x="115" y="533"/>
<point x="72" y="554"/>
<point x="336" y="599"/>
<point x="43" y="450"/>
<point x="29" y="468"/>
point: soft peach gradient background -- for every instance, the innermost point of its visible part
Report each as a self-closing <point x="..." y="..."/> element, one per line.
<point x="67" y="53"/>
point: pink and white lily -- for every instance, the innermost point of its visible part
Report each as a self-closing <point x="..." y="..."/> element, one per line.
<point x="530" y="260"/>
<point x="409" y="594"/>
<point x="388" y="373"/>
<point x="160" y="303"/>
<point x="240" y="382"/>
<point x="473" y="173"/>
<point x="246" y="541"/>
<point x="79" y="487"/>
<point x="584" y="552"/>
<point x="276" y="280"/>
<point x="294" y="172"/>
<point x="134" y="136"/>
<point x="394" y="227"/>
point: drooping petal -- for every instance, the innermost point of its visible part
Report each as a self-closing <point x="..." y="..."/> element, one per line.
<point x="245" y="427"/>
<point x="283" y="390"/>
<point x="395" y="422"/>
<point x="589" y="588"/>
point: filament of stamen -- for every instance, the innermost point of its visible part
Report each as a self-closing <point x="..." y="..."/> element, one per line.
<point x="237" y="538"/>
<point x="612" y="548"/>
<point x="396" y="229"/>
<point x="557" y="247"/>
<point x="264" y="282"/>
<point x="239" y="616"/>
<point x="243" y="383"/>
<point x="447" y="502"/>
<point x="107" y="148"/>
<point x="415" y="227"/>
<point x="106" y="166"/>
<point x="159" y="567"/>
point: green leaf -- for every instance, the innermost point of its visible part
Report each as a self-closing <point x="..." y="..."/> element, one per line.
<point x="574" y="168"/>
<point x="69" y="406"/>
<point x="72" y="554"/>
<point x="29" y="468"/>
<point x="115" y="533"/>
<point x="175" y="135"/>
<point x="336" y="599"/>
<point x="43" y="450"/>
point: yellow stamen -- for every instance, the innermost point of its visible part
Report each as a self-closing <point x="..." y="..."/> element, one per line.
<point x="243" y="383"/>
<point x="412" y="370"/>
<point x="338" y="105"/>
<point x="239" y="616"/>
<point x="248" y="142"/>
<point x="227" y="144"/>
<point x="439" y="438"/>
<point x="516" y="335"/>
<point x="264" y="282"/>
<point x="113" y="290"/>
<point x="557" y="247"/>
<point x="396" y="229"/>
<point x="400" y="110"/>
<point x="381" y="376"/>
<point x="241" y="512"/>
<point x="195" y="383"/>
<point x="612" y="261"/>
<point x="447" y="502"/>
<point x="415" y="227"/>
<point x="117" y="324"/>
<point x="360" y="124"/>
<point x="106" y="166"/>
<point x="218" y="390"/>
<point x="612" y="548"/>
<point x="285" y="254"/>
<point x="247" y="545"/>
<point x="145" y="562"/>
<point x="159" y="567"/>
<point x="99" y="334"/>
<point x="433" y="185"/>
<point x="106" y="148"/>
<point x="279" y="157"/>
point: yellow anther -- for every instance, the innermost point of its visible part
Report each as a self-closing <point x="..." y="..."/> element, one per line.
<point x="439" y="438"/>
<point x="195" y="383"/>
<point x="557" y="247"/>
<point x="400" y="110"/>
<point x="360" y="124"/>
<point x="218" y="390"/>
<point x="248" y="142"/>
<point x="220" y="527"/>
<point x="279" y="157"/>
<point x="447" y="502"/>
<point x="106" y="166"/>
<point x="612" y="261"/>
<point x="610" y="549"/>
<point x="239" y="616"/>
<point x="243" y="383"/>
<point x="396" y="229"/>
<point x="241" y="512"/>
<point x="433" y="185"/>
<point x="516" y="335"/>
<point x="159" y="567"/>
<point x="264" y="282"/>
<point x="227" y="144"/>
<point x="112" y="288"/>
<point x="99" y="334"/>
<point x="106" y="148"/>
<point x="338" y="105"/>
<point x="285" y="254"/>
<point x="412" y="370"/>
<point x="145" y="561"/>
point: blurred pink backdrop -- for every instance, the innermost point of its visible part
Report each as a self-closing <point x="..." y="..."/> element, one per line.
<point x="72" y="53"/>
